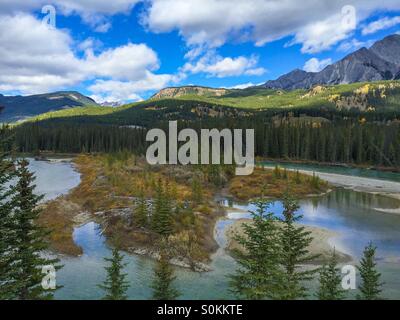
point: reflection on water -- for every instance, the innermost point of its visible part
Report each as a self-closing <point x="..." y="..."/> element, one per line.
<point x="81" y="276"/>
<point x="54" y="179"/>
<point x="353" y="215"/>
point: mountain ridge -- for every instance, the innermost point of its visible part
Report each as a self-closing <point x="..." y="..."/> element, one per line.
<point x="380" y="62"/>
<point x="174" y="92"/>
<point x="20" y="107"/>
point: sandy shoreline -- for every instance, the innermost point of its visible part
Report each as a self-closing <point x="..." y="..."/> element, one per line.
<point x="320" y="244"/>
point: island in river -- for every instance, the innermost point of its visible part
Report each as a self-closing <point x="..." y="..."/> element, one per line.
<point x="111" y="186"/>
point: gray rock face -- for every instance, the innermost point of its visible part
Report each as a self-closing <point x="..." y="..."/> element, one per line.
<point x="388" y="49"/>
<point x="381" y="62"/>
<point x="294" y="80"/>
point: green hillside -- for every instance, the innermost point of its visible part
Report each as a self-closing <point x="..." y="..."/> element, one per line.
<point x="370" y="99"/>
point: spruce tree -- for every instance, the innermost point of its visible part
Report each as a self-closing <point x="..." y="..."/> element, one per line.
<point x="258" y="275"/>
<point x="115" y="284"/>
<point x="140" y="217"/>
<point x="31" y="241"/>
<point x="163" y="280"/>
<point x="7" y="232"/>
<point x="370" y="287"/>
<point x="330" y="280"/>
<point x="162" y="219"/>
<point x="295" y="241"/>
<point x="197" y="191"/>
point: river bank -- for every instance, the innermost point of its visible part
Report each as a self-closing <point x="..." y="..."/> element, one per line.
<point x="358" y="184"/>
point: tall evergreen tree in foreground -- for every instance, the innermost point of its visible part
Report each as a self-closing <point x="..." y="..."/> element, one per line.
<point x="258" y="275"/>
<point x="7" y="234"/>
<point x="330" y="280"/>
<point x="370" y="287"/>
<point x="163" y="281"/>
<point x="295" y="241"/>
<point x="115" y="284"/>
<point x="30" y="243"/>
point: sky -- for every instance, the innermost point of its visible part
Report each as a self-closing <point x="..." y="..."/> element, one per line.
<point x="126" y="50"/>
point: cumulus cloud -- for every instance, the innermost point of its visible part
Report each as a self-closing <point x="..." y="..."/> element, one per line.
<point x="114" y="90"/>
<point x="315" y="65"/>
<point x="317" y="25"/>
<point x="322" y="35"/>
<point x="36" y="58"/>
<point x="381" y="24"/>
<point x="129" y="62"/>
<point x="221" y="67"/>
<point x="96" y="13"/>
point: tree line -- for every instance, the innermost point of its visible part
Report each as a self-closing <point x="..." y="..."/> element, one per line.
<point x="337" y="142"/>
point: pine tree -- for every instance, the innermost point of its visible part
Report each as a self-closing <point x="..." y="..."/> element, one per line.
<point x="258" y="275"/>
<point x="370" y="287"/>
<point x="294" y="254"/>
<point x="277" y="172"/>
<point x="30" y="240"/>
<point x="140" y="216"/>
<point x="297" y="177"/>
<point x="115" y="284"/>
<point x="7" y="234"/>
<point x="162" y="219"/>
<point x="162" y="285"/>
<point x="197" y="192"/>
<point x="330" y="281"/>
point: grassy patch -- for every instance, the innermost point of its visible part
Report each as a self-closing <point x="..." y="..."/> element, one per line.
<point x="275" y="183"/>
<point x="58" y="217"/>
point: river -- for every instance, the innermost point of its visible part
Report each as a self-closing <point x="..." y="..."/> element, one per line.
<point x="357" y="218"/>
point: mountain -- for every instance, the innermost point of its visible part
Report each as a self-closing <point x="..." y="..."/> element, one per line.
<point x="388" y="49"/>
<point x="380" y="62"/>
<point x="175" y="92"/>
<point x="21" y="107"/>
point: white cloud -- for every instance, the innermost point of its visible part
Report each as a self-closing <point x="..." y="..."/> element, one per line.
<point x="381" y="24"/>
<point x="81" y="7"/>
<point x="244" y="85"/>
<point x="129" y="62"/>
<point x="322" y="35"/>
<point x="114" y="90"/>
<point x="96" y="13"/>
<point x="316" y="25"/>
<point x="315" y="65"/>
<point x="354" y="44"/>
<point x="36" y="58"/>
<point x="221" y="67"/>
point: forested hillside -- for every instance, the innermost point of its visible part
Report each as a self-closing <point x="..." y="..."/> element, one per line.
<point x="356" y="124"/>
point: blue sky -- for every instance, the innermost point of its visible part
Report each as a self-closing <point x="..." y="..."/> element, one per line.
<point x="125" y="50"/>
